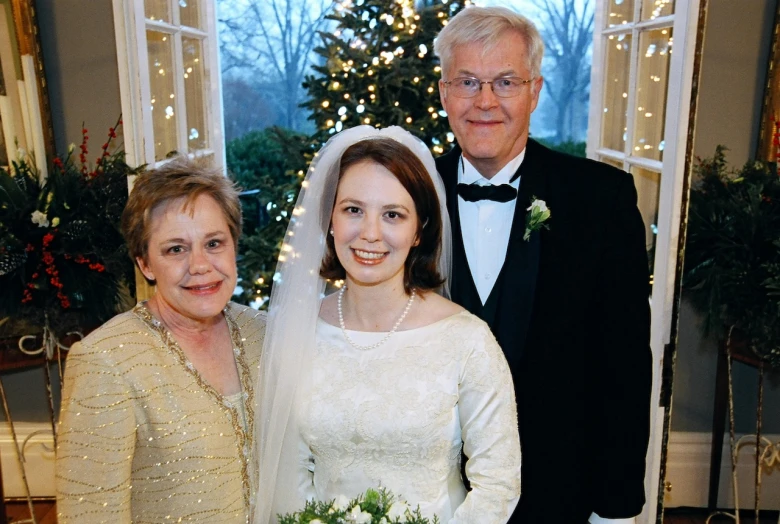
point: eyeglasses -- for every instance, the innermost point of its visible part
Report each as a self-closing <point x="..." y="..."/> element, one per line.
<point x="504" y="87"/>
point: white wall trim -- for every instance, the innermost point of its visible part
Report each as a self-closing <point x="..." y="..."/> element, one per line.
<point x="688" y="470"/>
<point x="39" y="457"/>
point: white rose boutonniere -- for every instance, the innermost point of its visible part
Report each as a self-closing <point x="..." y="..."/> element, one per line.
<point x="538" y="214"/>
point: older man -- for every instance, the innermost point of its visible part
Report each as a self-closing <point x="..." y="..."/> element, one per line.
<point x="565" y="292"/>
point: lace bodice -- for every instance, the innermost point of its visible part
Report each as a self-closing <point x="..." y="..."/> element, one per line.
<point x="397" y="416"/>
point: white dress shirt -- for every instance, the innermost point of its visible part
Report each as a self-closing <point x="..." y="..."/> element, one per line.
<point x="485" y="226"/>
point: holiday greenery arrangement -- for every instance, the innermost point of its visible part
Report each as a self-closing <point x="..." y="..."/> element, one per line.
<point x="63" y="262"/>
<point x="375" y="507"/>
<point x="732" y="255"/>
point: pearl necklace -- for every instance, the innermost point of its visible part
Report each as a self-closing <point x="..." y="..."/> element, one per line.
<point x="389" y="333"/>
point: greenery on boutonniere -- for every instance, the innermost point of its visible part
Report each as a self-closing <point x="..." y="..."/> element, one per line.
<point x="732" y="255"/>
<point x="63" y="262"/>
<point x="538" y="214"/>
<point x="375" y="507"/>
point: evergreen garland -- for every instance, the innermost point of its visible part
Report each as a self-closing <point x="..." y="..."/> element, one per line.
<point x="732" y="255"/>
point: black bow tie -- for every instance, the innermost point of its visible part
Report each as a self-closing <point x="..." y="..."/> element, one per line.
<point x="497" y="193"/>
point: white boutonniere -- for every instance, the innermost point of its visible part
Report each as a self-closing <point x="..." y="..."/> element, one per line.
<point x="538" y="214"/>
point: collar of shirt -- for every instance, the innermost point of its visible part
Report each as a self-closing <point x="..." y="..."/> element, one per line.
<point x="468" y="174"/>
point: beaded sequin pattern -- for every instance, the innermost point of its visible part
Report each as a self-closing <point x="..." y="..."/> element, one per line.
<point x="143" y="437"/>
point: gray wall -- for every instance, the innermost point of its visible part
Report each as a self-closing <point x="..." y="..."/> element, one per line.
<point x="733" y="75"/>
<point x="79" y="53"/>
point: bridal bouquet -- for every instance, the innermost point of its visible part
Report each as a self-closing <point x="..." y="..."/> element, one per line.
<point x="375" y="507"/>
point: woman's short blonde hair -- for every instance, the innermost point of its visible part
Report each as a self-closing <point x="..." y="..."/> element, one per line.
<point x="488" y="26"/>
<point x="179" y="178"/>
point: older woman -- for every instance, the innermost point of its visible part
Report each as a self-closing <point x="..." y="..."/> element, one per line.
<point x="156" y="421"/>
<point x="384" y="382"/>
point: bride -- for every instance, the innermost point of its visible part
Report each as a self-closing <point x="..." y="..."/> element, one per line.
<point x="384" y="383"/>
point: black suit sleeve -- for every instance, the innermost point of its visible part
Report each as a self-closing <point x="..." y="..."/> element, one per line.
<point x="621" y="366"/>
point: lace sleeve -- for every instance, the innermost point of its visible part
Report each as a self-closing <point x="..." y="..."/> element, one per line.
<point x="488" y="418"/>
<point x="96" y="441"/>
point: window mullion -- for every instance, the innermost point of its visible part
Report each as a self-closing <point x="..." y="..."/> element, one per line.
<point x="611" y="153"/>
<point x="145" y="84"/>
<point x="179" y="94"/>
<point x="193" y="33"/>
<point x="632" y="95"/>
<point x="645" y="163"/>
<point x="597" y="74"/>
<point x="213" y="100"/>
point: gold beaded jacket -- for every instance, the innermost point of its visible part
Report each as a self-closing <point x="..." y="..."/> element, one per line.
<point x="143" y="438"/>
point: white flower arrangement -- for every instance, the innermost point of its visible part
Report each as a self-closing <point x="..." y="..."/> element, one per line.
<point x="373" y="507"/>
<point x="538" y="214"/>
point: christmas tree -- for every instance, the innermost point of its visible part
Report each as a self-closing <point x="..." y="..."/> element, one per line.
<point x="378" y="68"/>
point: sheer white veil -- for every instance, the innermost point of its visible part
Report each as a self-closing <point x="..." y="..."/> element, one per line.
<point x="288" y="349"/>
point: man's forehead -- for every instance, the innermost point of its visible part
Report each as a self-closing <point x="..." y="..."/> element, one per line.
<point x="510" y="52"/>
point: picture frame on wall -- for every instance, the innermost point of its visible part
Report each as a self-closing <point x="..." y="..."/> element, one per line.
<point x="25" y="117"/>
<point x="768" y="147"/>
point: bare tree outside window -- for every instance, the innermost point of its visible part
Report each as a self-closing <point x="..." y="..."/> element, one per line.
<point x="561" y="119"/>
<point x="567" y="31"/>
<point x="266" y="50"/>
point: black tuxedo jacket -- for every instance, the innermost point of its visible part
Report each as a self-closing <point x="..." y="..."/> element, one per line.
<point x="571" y="311"/>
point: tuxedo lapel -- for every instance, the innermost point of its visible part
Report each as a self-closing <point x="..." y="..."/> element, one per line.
<point x="462" y="288"/>
<point x="516" y="285"/>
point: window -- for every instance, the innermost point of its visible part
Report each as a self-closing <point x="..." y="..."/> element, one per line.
<point x="643" y="70"/>
<point x="169" y="79"/>
<point x="636" y="38"/>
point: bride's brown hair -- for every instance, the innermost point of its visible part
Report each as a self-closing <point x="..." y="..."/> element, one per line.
<point x="420" y="269"/>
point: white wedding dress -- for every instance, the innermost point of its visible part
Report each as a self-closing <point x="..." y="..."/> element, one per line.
<point x="396" y="417"/>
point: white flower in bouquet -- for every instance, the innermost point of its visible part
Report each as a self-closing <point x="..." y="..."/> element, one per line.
<point x="398" y="511"/>
<point x="358" y="516"/>
<point x="341" y="503"/>
<point x="40" y="219"/>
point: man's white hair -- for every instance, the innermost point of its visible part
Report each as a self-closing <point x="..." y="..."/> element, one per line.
<point x="488" y="26"/>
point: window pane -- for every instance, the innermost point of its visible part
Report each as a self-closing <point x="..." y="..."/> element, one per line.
<point x="160" y="47"/>
<point x="654" y="50"/>
<point x="620" y="12"/>
<point x="158" y="10"/>
<point x="611" y="161"/>
<point x="189" y="12"/>
<point x="194" y="88"/>
<point x="648" y="184"/>
<point x="652" y="9"/>
<point x="613" y="129"/>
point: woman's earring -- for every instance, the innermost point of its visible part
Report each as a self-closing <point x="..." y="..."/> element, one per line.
<point x="331" y="231"/>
